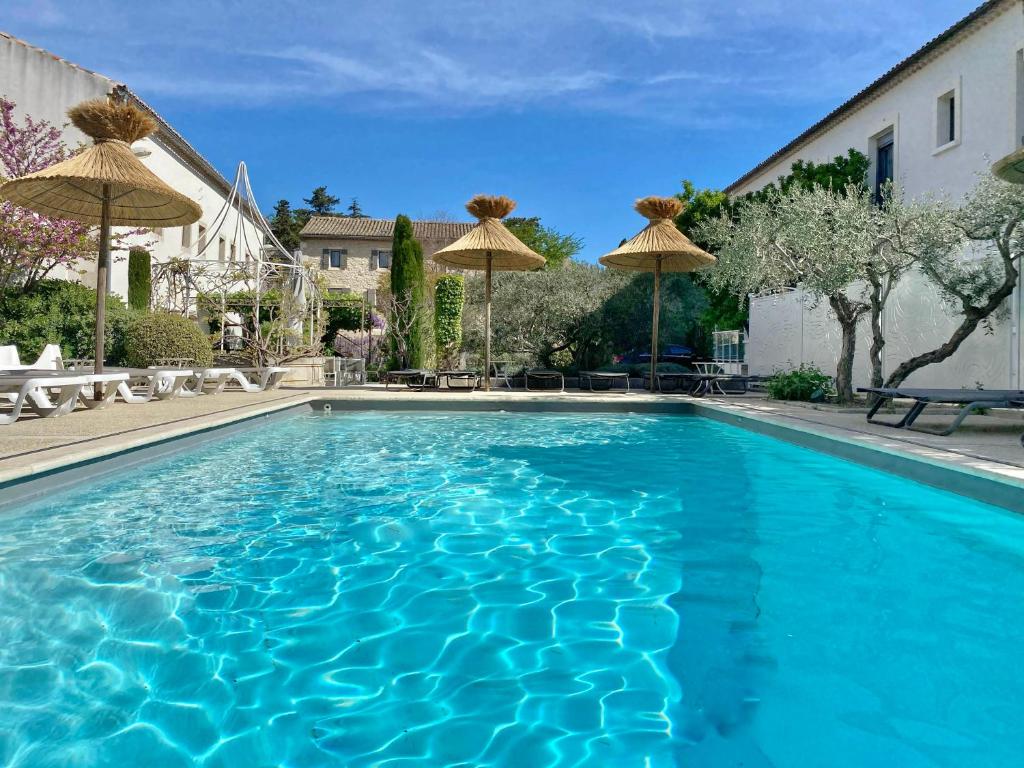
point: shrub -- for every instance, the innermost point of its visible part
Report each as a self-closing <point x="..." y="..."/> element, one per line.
<point x="449" y="295"/>
<point x="59" y="312"/>
<point x="807" y="383"/>
<point x="163" y="335"/>
<point x="140" y="279"/>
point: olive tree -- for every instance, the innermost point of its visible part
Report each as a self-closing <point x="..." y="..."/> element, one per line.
<point x="544" y="315"/>
<point x="836" y="244"/>
<point x="971" y="254"/>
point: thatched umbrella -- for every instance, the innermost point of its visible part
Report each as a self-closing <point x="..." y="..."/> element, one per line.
<point x="659" y="247"/>
<point x="489" y="246"/>
<point x="104" y="184"/>
<point x="1011" y="167"/>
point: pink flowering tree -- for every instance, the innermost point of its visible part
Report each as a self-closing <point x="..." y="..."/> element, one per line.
<point x="33" y="245"/>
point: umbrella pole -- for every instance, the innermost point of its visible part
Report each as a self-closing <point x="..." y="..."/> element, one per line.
<point x="487" y="325"/>
<point x="654" y="323"/>
<point x="102" y="268"/>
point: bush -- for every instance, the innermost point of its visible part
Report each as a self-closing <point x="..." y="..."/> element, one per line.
<point x="807" y="383"/>
<point x="140" y="279"/>
<point x="163" y="335"/>
<point x="59" y="312"/>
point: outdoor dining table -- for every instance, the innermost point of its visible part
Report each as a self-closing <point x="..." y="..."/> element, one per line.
<point x="696" y="384"/>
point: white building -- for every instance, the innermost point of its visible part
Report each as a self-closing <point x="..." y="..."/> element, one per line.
<point x="45" y="86"/>
<point x="932" y="123"/>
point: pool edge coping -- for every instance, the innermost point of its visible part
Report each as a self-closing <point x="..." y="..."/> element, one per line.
<point x="945" y="470"/>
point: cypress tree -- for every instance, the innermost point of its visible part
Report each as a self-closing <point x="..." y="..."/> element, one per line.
<point x="140" y="279"/>
<point x="408" y="286"/>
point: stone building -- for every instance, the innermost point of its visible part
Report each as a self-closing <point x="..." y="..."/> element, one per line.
<point x="355" y="253"/>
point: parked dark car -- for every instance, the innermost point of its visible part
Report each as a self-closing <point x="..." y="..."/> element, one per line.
<point x="670" y="353"/>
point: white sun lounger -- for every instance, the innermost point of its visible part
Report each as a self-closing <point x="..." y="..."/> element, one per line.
<point x="20" y="389"/>
<point x="259" y="379"/>
<point x="35" y="387"/>
<point x="99" y="389"/>
<point x="146" y="384"/>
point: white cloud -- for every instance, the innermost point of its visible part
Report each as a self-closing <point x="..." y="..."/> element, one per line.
<point x="664" y="59"/>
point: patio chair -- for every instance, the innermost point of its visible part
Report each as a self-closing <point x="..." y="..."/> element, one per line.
<point x="545" y="375"/>
<point x="608" y="377"/>
<point x="971" y="400"/>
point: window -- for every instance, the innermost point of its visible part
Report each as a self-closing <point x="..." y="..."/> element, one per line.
<point x="333" y="258"/>
<point x="884" y="161"/>
<point x="222" y="246"/>
<point x="233" y="253"/>
<point x="380" y="260"/>
<point x="945" y="119"/>
<point x="202" y="238"/>
<point x="186" y="236"/>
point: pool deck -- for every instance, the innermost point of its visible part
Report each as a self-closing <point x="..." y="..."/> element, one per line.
<point x="985" y="447"/>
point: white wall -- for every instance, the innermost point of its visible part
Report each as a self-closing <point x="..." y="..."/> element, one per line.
<point x="981" y="66"/>
<point x="45" y="87"/>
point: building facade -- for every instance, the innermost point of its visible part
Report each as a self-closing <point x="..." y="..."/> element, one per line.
<point x="45" y="86"/>
<point x="932" y="124"/>
<point x="353" y="254"/>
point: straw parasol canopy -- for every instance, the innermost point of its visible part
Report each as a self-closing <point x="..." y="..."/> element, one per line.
<point x="1011" y="167"/>
<point x="104" y="184"/>
<point x="658" y="247"/>
<point x="489" y="246"/>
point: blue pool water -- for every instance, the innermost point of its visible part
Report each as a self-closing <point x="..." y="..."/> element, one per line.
<point x="509" y="590"/>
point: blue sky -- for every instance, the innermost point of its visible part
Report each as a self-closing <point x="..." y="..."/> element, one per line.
<point x="573" y="107"/>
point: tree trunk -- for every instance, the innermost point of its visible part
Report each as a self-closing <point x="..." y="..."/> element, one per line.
<point x="973" y="317"/>
<point x="847" y="313"/>
<point x="877" y="303"/>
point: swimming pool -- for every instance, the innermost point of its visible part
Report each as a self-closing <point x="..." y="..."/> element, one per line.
<point x="377" y="589"/>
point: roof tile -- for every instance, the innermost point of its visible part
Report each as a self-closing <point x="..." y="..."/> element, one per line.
<point x="381" y="229"/>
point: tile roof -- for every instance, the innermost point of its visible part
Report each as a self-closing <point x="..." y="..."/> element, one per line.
<point x="381" y="229"/>
<point x="909" y="65"/>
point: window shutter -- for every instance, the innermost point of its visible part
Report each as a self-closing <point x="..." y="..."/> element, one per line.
<point x="344" y="258"/>
<point x="325" y="259"/>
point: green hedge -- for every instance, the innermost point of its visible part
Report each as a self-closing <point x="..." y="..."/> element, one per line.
<point x="140" y="279"/>
<point x="449" y="296"/>
<point x="59" y="312"/>
<point x="165" y="335"/>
